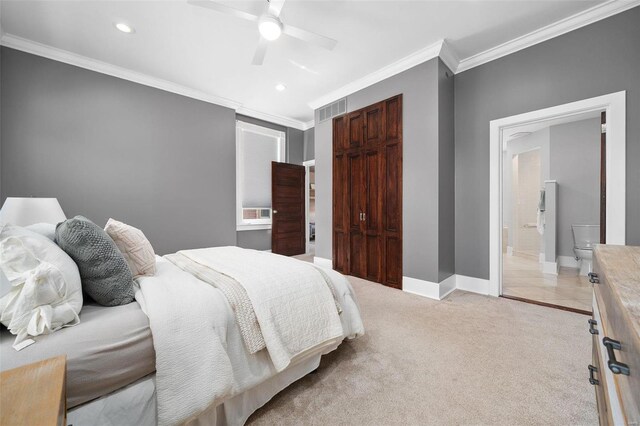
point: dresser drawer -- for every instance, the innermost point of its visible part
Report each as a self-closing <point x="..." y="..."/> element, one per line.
<point x="618" y="273"/>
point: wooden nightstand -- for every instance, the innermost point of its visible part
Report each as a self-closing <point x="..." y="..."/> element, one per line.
<point x="34" y="394"/>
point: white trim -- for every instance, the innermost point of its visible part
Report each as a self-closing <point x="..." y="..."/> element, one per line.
<point x="437" y="291"/>
<point x="472" y="284"/>
<point x="541" y="258"/>
<point x="60" y="55"/>
<point x="410" y="61"/>
<point x="321" y="261"/>
<point x="509" y="250"/>
<point x="568" y="262"/>
<point x="550" y="267"/>
<point x="615" y="106"/>
<point x="563" y="26"/>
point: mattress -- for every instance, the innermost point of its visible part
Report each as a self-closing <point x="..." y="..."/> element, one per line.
<point x="111" y="348"/>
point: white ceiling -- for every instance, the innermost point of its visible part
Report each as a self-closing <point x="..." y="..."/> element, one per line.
<point x="211" y="53"/>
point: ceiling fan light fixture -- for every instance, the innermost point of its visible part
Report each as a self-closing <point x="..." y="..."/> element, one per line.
<point x="125" y="28"/>
<point x="270" y="27"/>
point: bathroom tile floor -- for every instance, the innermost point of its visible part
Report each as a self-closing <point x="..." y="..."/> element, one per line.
<point x="522" y="277"/>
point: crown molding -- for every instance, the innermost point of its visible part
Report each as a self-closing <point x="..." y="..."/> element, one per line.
<point x="563" y="26"/>
<point x="449" y="56"/>
<point x="410" y="61"/>
<point x="81" y="61"/>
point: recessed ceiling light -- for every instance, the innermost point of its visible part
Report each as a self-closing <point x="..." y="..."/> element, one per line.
<point x="280" y="87"/>
<point x="270" y="27"/>
<point x="125" y="28"/>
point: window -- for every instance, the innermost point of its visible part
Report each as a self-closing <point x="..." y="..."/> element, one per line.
<point x="256" y="148"/>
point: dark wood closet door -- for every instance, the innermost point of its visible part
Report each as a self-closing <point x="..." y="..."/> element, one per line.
<point x="356" y="208"/>
<point x="340" y="194"/>
<point x="367" y="192"/>
<point x="373" y="214"/>
<point x="392" y="202"/>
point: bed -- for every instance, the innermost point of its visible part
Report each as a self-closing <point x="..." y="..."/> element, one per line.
<point x="179" y="354"/>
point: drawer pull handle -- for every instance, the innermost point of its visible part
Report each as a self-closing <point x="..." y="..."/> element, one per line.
<point x="593" y="278"/>
<point x="615" y="366"/>
<point x="592" y="379"/>
<point x="592" y="329"/>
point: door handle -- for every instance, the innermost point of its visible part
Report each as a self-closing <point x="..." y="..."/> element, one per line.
<point x="360" y="216"/>
<point x="615" y="366"/>
<point x="592" y="379"/>
<point x="593" y="278"/>
<point x="592" y="329"/>
<point x="364" y="216"/>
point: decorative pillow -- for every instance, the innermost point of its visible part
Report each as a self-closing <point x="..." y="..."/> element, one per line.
<point x="45" y="293"/>
<point x="106" y="278"/>
<point x="134" y="246"/>
<point x="45" y="229"/>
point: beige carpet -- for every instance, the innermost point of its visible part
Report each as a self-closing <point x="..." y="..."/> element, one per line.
<point x="469" y="359"/>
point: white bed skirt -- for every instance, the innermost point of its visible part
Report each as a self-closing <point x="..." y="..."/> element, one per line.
<point x="136" y="404"/>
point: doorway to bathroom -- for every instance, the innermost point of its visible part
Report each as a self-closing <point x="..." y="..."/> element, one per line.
<point x="557" y="190"/>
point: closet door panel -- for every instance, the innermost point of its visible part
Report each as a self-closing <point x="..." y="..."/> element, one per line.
<point x="393" y="187"/>
<point x="340" y="214"/>
<point x="393" y="262"/>
<point x="356" y="129"/>
<point x="340" y="133"/>
<point x="374" y="125"/>
<point x="393" y="118"/>
<point x="355" y="188"/>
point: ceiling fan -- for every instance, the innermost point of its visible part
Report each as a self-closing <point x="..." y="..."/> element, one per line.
<point x="269" y="25"/>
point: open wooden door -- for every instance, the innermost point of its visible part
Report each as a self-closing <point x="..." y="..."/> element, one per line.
<point x="287" y="200"/>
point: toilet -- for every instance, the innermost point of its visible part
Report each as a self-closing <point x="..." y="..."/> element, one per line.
<point x="585" y="237"/>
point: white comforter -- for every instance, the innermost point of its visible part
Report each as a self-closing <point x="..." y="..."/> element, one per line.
<point x="293" y="304"/>
<point x="200" y="355"/>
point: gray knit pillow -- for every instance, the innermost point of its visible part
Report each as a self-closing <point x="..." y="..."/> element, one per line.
<point x="105" y="275"/>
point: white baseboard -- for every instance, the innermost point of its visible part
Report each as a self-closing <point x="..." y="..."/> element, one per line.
<point x="550" y="267"/>
<point x="437" y="291"/>
<point x="568" y="262"/>
<point x="472" y="284"/>
<point x="325" y="263"/>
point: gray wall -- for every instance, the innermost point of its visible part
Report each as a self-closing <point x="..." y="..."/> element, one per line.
<point x="595" y="60"/>
<point x="446" y="171"/>
<point x="107" y="147"/>
<point x="309" y="144"/>
<point x="575" y="164"/>
<point x="420" y="88"/>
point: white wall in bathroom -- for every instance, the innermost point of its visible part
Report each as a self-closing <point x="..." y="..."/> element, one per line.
<point x="575" y="165"/>
<point x="536" y="140"/>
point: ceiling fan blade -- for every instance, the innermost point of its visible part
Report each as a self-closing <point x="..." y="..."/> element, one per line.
<point x="309" y="37"/>
<point x="261" y="51"/>
<point x="275" y="7"/>
<point x="223" y="9"/>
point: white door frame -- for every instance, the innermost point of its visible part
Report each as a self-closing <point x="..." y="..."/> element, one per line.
<point x="307" y="165"/>
<point x="615" y="106"/>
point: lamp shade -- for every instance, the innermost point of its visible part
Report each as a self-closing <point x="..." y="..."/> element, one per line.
<point x="27" y="211"/>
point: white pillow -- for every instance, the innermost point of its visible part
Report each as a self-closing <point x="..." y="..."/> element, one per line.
<point x="45" y="229"/>
<point x="134" y="246"/>
<point x="46" y="291"/>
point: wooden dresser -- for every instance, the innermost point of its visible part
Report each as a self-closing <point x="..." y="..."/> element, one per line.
<point x="34" y="394"/>
<point x="615" y="327"/>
